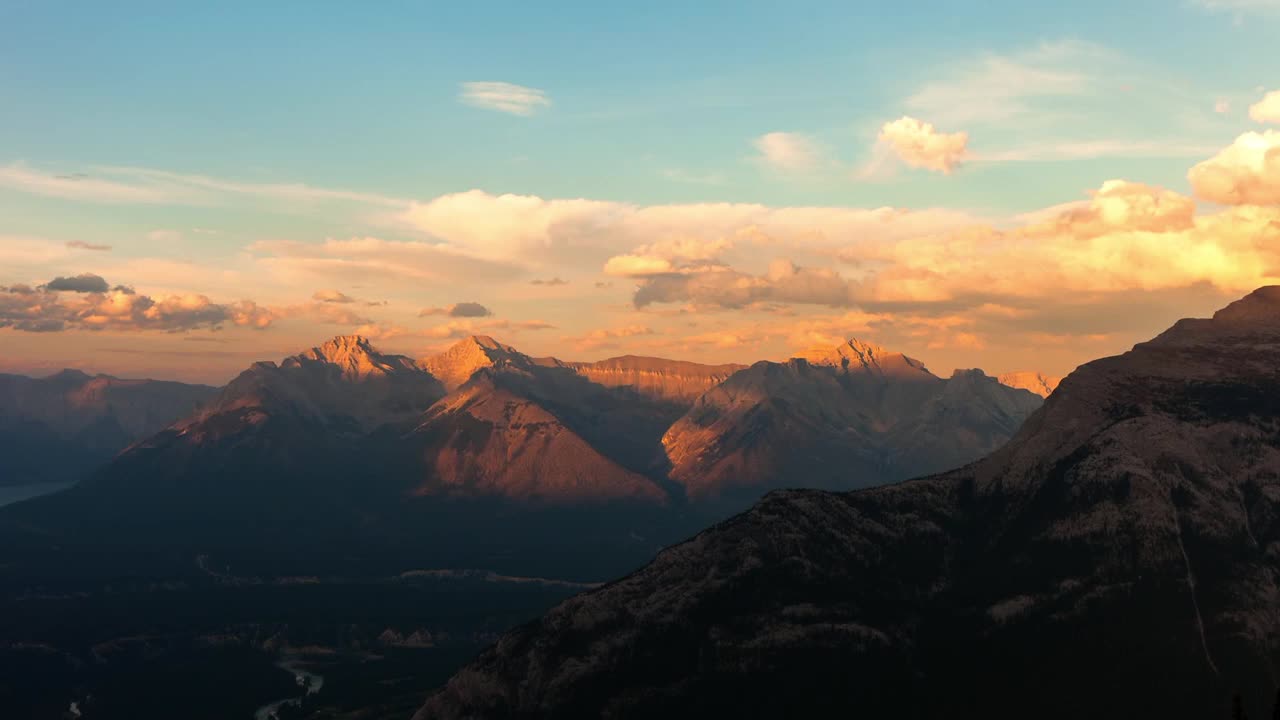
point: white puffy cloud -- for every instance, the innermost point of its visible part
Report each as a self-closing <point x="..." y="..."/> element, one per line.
<point x="511" y="229"/>
<point x="1245" y="173"/>
<point x="1266" y="110"/>
<point x="920" y="144"/>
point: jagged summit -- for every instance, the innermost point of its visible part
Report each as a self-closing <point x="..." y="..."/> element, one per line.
<point x="355" y="356"/>
<point x="1126" y="538"/>
<point x="857" y="356"/>
<point x="455" y="366"/>
<point x="1036" y="382"/>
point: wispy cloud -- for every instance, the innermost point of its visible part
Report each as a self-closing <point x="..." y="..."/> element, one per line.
<point x="788" y="151"/>
<point x="995" y="88"/>
<point x="1240" y="6"/>
<point x="82" y="245"/>
<point x="148" y="186"/>
<point x="504" y="97"/>
<point x="80" y="186"/>
<point x="1092" y="149"/>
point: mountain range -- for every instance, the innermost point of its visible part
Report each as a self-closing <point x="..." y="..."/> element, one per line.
<point x="60" y="427"/>
<point x="344" y="443"/>
<point x="1119" y="557"/>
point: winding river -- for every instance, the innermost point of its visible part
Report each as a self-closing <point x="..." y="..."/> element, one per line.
<point x="308" y="683"/>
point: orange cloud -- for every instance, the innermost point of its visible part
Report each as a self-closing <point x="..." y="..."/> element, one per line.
<point x="606" y="338"/>
<point x="1245" y="173"/>
<point x="45" y="309"/>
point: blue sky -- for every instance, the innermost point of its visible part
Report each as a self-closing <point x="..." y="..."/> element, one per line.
<point x="646" y="104"/>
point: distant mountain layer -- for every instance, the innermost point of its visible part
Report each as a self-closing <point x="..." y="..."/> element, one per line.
<point x="1120" y="557"/>
<point x="852" y="416"/>
<point x="54" y="429"/>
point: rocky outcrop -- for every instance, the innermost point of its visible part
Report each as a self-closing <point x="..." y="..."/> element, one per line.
<point x="485" y="440"/>
<point x="1120" y="557"/>
<point x="344" y="383"/>
<point x="855" y="414"/>
<point x="455" y="366"/>
<point x="1035" y="382"/>
<point x="674" y="381"/>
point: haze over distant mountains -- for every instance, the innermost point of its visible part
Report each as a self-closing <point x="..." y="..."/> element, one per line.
<point x="1120" y="557"/>
<point x="343" y="439"/>
<point x="57" y="428"/>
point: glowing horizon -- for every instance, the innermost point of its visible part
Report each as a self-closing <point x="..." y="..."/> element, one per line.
<point x="972" y="194"/>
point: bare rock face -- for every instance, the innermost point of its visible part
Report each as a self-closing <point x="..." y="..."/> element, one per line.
<point x="863" y="358"/>
<point x="344" y="382"/>
<point x="850" y="414"/>
<point x="455" y="366"/>
<point x="536" y="431"/>
<point x="674" y="381"/>
<point x="485" y="440"/>
<point x="1120" y="557"/>
<point x="59" y="427"/>
<point x="292" y="419"/>
<point x="1036" y="382"/>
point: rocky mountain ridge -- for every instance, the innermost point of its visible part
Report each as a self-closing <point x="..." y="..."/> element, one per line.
<point x="56" y="428"/>
<point x="1119" y="557"/>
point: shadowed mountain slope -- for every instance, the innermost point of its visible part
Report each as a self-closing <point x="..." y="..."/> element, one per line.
<point x="1120" y="557"/>
<point x="57" y="428"/>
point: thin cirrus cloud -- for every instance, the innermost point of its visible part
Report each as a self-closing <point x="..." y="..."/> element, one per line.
<point x="504" y="97"/>
<point x="82" y="245"/>
<point x="376" y="259"/>
<point x="607" y="337"/>
<point x="149" y="186"/>
<point x="995" y="88"/>
<point x="1241" y="6"/>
